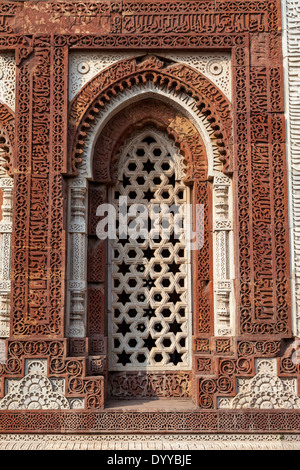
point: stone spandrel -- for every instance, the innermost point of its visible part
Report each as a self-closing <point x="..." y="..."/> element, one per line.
<point x="83" y="66"/>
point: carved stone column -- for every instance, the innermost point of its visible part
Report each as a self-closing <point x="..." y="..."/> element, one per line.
<point x="6" y="185"/>
<point x="222" y="280"/>
<point x="77" y="286"/>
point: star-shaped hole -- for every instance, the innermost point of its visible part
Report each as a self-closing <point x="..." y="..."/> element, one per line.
<point x="175" y="327"/>
<point x="124" y="358"/>
<point x="148" y="195"/>
<point x="148" y="252"/>
<point x="124" y="268"/>
<point x="175" y="357"/>
<point x="126" y="181"/>
<point x="123" y="328"/>
<point x="124" y="298"/>
<point x="174" y="268"/>
<point x="148" y="166"/>
<point x="174" y="297"/>
<point x="149" y="343"/>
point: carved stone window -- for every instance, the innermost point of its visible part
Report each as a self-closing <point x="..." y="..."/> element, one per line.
<point x="87" y="286"/>
<point x="145" y="304"/>
<point x="149" y="312"/>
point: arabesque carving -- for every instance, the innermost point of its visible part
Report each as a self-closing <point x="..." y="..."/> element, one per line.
<point x="128" y="72"/>
<point x="48" y="144"/>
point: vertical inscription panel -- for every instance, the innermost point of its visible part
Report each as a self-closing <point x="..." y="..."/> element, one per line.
<point x="38" y="240"/>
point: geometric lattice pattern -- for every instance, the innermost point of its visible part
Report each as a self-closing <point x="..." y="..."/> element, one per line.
<point x="51" y="144"/>
<point x="150" y="321"/>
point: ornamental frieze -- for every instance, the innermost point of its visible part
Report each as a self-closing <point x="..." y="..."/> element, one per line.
<point x="131" y="18"/>
<point x="154" y="102"/>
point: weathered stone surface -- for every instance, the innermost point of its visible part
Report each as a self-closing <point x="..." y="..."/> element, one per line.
<point x="61" y="143"/>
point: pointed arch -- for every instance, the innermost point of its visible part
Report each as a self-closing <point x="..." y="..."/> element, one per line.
<point x="125" y="74"/>
<point x="150" y="111"/>
<point x="197" y="117"/>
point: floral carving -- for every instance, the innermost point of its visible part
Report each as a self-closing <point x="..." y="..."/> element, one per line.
<point x="247" y="135"/>
<point x="264" y="391"/>
<point x="34" y="392"/>
<point x="128" y="72"/>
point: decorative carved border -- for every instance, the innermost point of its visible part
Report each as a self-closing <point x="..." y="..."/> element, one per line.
<point x="248" y="422"/>
<point x="291" y="39"/>
<point x="128" y="72"/>
<point x="7" y="150"/>
<point x="251" y="31"/>
<point x="152" y="442"/>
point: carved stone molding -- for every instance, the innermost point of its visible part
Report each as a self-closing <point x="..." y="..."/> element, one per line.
<point x="129" y="19"/>
<point x="94" y="96"/>
<point x="83" y="66"/>
<point x="35" y="391"/>
<point x="39" y="237"/>
<point x="291" y="47"/>
<point x="150" y="442"/>
<point x="216" y="66"/>
<point x="181" y="101"/>
<point x="265" y="390"/>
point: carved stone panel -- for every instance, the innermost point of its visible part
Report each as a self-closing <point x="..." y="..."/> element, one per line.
<point x="150" y="317"/>
<point x="213" y="71"/>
